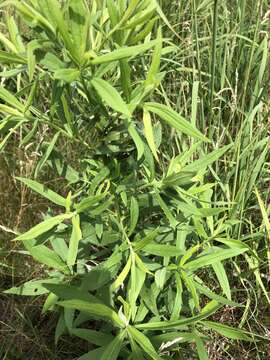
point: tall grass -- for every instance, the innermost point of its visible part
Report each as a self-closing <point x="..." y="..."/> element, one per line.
<point x="229" y="55"/>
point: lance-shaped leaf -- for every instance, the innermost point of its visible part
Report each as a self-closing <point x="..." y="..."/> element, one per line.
<point x="76" y="236"/>
<point x="208" y="159"/>
<point x="123" y="53"/>
<point x="134" y="214"/>
<point x="111" y="96"/>
<point x="114" y="347"/>
<point x="10" y="99"/>
<point x="212" y="258"/>
<point x="165" y="325"/>
<point x="162" y="250"/>
<point x="174" y="119"/>
<point x="32" y="288"/>
<point x="143" y="342"/>
<point x="149" y="134"/>
<point x="228" y="331"/>
<point x="44" y="226"/>
<point x="94" y="337"/>
<point x="97" y="310"/>
<point x="44" y="191"/>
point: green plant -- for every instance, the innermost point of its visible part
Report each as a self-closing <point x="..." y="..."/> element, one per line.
<point x="131" y="239"/>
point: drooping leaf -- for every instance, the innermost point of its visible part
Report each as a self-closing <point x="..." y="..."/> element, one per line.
<point x="98" y="338"/>
<point x="93" y="309"/>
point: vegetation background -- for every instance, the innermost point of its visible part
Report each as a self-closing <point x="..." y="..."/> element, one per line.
<point x="218" y="77"/>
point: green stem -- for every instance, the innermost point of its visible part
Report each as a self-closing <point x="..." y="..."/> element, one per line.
<point x="213" y="57"/>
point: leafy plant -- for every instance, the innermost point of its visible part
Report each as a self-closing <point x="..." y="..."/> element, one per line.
<point x="128" y="246"/>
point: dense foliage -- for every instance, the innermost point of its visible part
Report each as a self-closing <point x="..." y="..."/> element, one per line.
<point x="135" y="239"/>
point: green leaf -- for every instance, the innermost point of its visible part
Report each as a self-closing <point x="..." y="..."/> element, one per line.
<point x="137" y="353"/>
<point x="122" y="276"/>
<point x="222" y="278"/>
<point x="47" y="257"/>
<point x="94" y="337"/>
<point x="10" y="99"/>
<point x="41" y="228"/>
<point x="265" y="217"/>
<point x="49" y="303"/>
<point x="8" y="58"/>
<point x="93" y="309"/>
<point x="31" y="61"/>
<point x="141" y="17"/>
<point x="137" y="278"/>
<point x="32" y="288"/>
<point x="189" y="283"/>
<point x="46" y="154"/>
<point x="123" y="53"/>
<point x="143" y="342"/>
<point x="137" y="140"/>
<point x="212" y="258"/>
<point x="178" y="179"/>
<point x="174" y="119"/>
<point x="141" y="265"/>
<point x="67" y="75"/>
<point x="7" y="43"/>
<point x="31" y="15"/>
<point x="52" y="62"/>
<point x="14" y="34"/>
<point x="148" y="132"/>
<point x="45" y="192"/>
<point x="139" y="245"/>
<point x="162" y="250"/>
<point x="173" y="222"/>
<point x="57" y="15"/>
<point x="207" y="160"/>
<point x="170" y="338"/>
<point x="160" y="277"/>
<point x="222" y="300"/>
<point x="93" y="354"/>
<point x="102" y="273"/>
<point x="114" y="347"/>
<point x="228" y="331"/>
<point x="178" y="302"/>
<point x="76" y="236"/>
<point x="70" y="292"/>
<point x="88" y="202"/>
<point x="78" y="23"/>
<point x="111" y="96"/>
<point x="201" y="349"/>
<point x="134" y="215"/>
<point x="154" y="68"/>
<point x="166" y="325"/>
